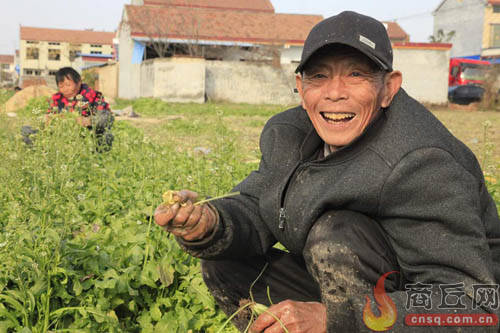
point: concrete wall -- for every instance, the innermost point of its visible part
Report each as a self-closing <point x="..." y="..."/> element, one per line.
<point x="425" y="73"/>
<point x="108" y="80"/>
<point x="424" y="68"/>
<point x="174" y="79"/>
<point x="243" y="82"/>
<point x="292" y="54"/>
<point x="129" y="74"/>
<point x="466" y="18"/>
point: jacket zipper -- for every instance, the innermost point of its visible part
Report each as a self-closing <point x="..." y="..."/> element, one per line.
<point x="282" y="211"/>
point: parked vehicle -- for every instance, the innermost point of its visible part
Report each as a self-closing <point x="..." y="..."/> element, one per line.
<point x="466" y="80"/>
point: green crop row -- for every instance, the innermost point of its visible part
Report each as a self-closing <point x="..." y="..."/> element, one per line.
<point x="79" y="251"/>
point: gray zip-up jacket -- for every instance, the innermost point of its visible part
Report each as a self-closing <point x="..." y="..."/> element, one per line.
<point x="406" y="171"/>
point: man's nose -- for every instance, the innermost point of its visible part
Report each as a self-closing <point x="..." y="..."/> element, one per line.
<point x="336" y="89"/>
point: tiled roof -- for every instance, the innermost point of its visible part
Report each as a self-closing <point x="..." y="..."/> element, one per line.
<point x="494" y="2"/>
<point x="395" y="31"/>
<point x="63" y="35"/>
<point x="219" y="25"/>
<point x="250" y="5"/>
<point x="6" y="59"/>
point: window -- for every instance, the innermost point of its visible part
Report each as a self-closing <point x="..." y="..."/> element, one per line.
<point x="32" y="53"/>
<point x="54" y="43"/>
<point x="95" y="45"/>
<point x="29" y="71"/>
<point x="5" y="66"/>
<point x="496" y="9"/>
<point x="495" y="35"/>
<point x="95" y="52"/>
<point x="54" y="54"/>
<point x="73" y="54"/>
<point x="52" y="72"/>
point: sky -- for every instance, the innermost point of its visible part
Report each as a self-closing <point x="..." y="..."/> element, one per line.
<point x="415" y="17"/>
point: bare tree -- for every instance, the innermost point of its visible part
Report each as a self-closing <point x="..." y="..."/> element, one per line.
<point x="160" y="33"/>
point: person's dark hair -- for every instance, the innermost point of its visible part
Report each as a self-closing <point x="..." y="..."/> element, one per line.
<point x="67" y="72"/>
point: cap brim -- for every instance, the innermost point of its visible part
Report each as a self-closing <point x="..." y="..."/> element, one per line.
<point x="372" y="57"/>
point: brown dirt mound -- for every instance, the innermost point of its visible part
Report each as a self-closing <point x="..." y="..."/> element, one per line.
<point x="21" y="98"/>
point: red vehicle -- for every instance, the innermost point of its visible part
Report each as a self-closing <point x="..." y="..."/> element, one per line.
<point x="466" y="79"/>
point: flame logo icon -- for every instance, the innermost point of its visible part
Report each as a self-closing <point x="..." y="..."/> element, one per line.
<point x="385" y="305"/>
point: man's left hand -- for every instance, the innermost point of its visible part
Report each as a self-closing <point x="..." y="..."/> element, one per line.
<point x="297" y="317"/>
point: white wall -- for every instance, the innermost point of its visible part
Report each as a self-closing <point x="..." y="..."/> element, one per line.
<point x="291" y="54"/>
<point x="129" y="74"/>
<point x="425" y="73"/>
<point x="252" y="83"/>
<point x="179" y="79"/>
<point x="466" y="18"/>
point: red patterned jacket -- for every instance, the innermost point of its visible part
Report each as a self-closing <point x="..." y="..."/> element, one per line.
<point x="86" y="102"/>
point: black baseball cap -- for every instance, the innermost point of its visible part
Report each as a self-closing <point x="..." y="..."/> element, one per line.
<point x="361" y="32"/>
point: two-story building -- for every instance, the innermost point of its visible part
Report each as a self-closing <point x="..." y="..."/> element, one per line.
<point x="7" y="68"/>
<point x="475" y="25"/>
<point x="44" y="50"/>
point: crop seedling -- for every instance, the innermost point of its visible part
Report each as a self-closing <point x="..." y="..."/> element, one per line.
<point x="171" y="197"/>
<point x="256" y="309"/>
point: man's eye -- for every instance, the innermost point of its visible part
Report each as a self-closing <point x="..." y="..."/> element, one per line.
<point x="319" y="76"/>
<point x="355" y="74"/>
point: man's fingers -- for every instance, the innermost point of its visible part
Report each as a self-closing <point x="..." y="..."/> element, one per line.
<point x="204" y="225"/>
<point x="263" y="322"/>
<point x="185" y="195"/>
<point x="182" y="214"/>
<point x="194" y="218"/>
<point x="275" y="328"/>
<point x="165" y="213"/>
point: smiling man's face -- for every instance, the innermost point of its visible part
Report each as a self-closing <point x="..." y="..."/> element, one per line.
<point x="342" y="92"/>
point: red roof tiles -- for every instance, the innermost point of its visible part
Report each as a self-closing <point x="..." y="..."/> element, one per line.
<point x="395" y="32"/>
<point x="219" y="25"/>
<point x="6" y="59"/>
<point x="70" y="36"/>
<point x="249" y="5"/>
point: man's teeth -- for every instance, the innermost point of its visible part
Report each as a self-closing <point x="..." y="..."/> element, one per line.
<point x="338" y="116"/>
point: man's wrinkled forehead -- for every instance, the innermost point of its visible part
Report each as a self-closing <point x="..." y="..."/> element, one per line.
<point x="337" y="52"/>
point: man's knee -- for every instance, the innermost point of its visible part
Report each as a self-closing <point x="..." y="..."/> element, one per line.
<point x="340" y="226"/>
<point x="350" y="239"/>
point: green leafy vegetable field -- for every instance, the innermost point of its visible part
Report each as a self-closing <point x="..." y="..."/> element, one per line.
<point x="79" y="251"/>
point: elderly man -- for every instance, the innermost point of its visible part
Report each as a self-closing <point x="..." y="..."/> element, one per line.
<point x="359" y="182"/>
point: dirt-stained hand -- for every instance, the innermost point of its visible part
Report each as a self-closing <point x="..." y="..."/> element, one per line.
<point x="298" y="317"/>
<point x="184" y="218"/>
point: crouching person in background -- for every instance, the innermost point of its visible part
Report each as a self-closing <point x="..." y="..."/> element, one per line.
<point x="76" y="96"/>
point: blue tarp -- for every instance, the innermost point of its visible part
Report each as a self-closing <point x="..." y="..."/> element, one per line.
<point x="472" y="57"/>
<point x="138" y="53"/>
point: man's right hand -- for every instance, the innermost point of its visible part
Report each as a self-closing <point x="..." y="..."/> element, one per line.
<point x="185" y="219"/>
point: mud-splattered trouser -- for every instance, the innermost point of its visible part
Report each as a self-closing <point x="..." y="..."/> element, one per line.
<point x="345" y="253"/>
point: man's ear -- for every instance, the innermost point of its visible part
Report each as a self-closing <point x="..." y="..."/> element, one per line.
<point x="298" y="82"/>
<point x="392" y="83"/>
